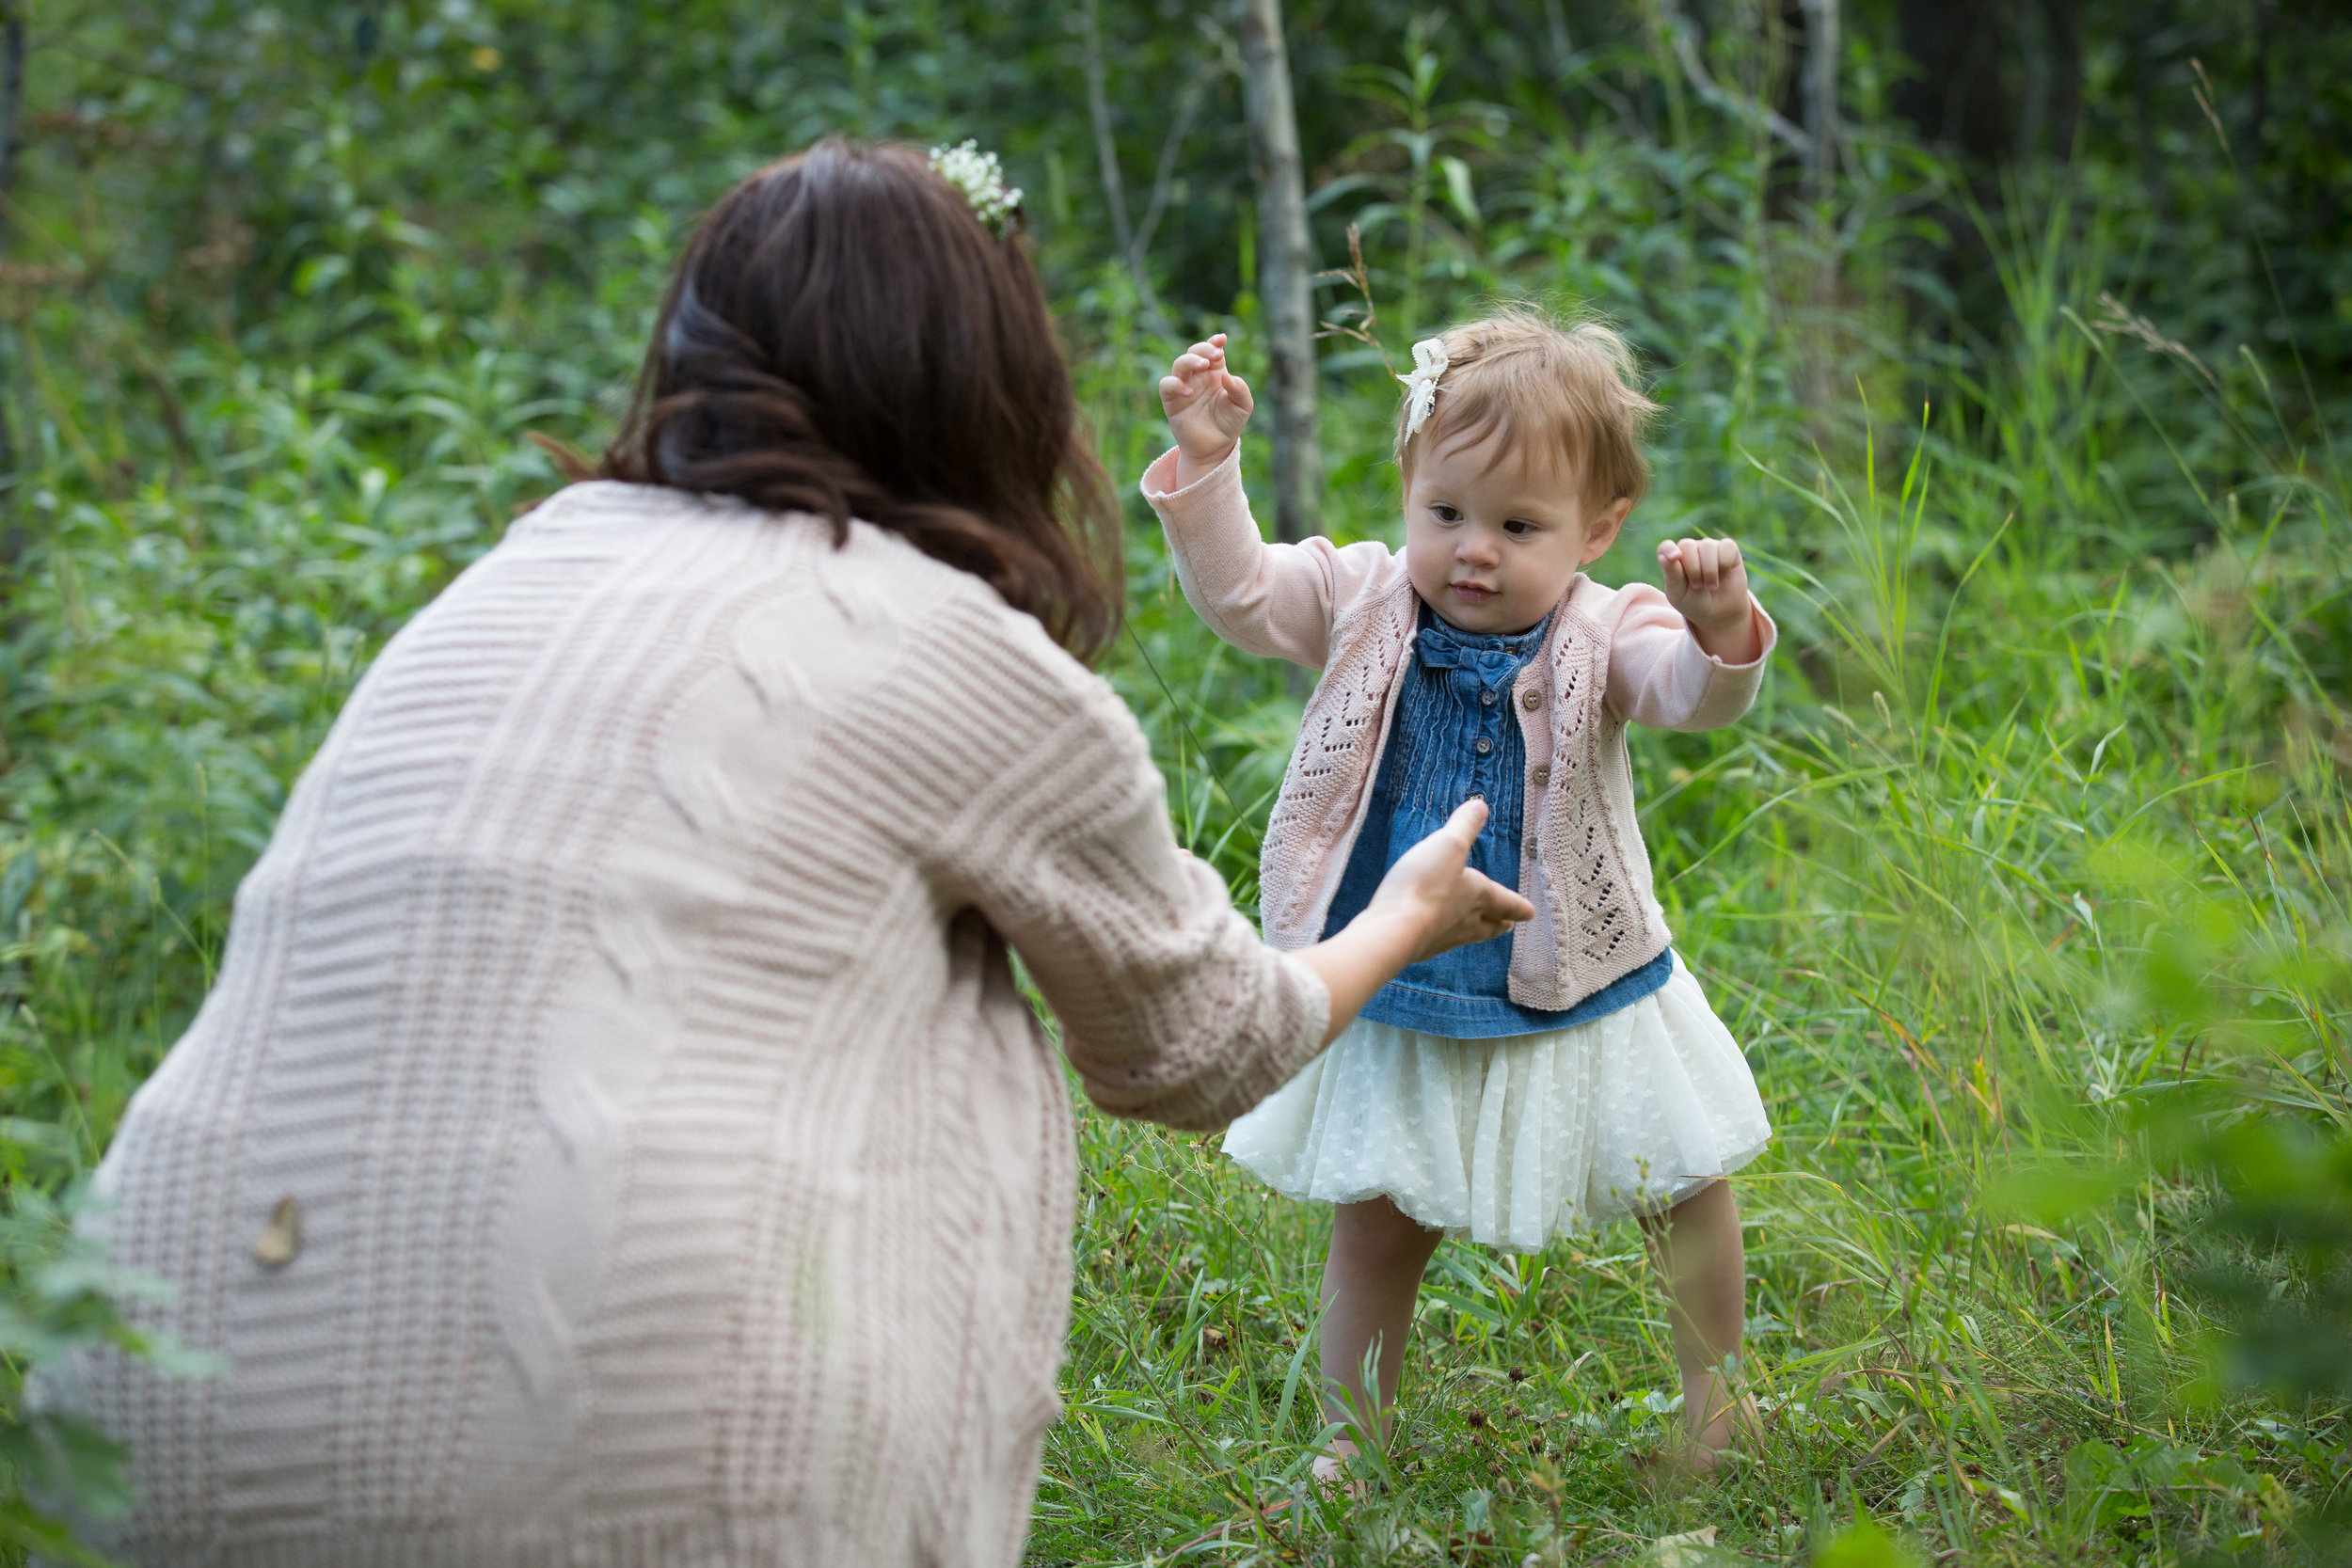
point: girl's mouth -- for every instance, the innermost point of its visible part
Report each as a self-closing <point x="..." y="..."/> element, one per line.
<point x="1471" y="591"/>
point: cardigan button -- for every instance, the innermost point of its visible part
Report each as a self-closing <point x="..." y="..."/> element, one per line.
<point x="1532" y="845"/>
<point x="1531" y="698"/>
<point x="1543" y="774"/>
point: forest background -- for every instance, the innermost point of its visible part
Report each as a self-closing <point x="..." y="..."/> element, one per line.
<point x="2011" y="338"/>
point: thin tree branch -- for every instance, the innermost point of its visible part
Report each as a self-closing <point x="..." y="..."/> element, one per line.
<point x="1685" y="40"/>
<point x="1107" y="153"/>
<point x="1164" y="179"/>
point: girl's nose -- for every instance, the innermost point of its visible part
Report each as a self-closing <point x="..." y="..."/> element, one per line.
<point x="1476" y="548"/>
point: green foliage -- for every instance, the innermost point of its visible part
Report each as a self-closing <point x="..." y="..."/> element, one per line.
<point x="2024" y="887"/>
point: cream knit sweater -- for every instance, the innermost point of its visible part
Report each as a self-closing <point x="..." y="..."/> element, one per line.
<point x="623" y="1003"/>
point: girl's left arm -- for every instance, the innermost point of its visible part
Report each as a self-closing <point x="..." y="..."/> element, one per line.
<point x="1660" y="676"/>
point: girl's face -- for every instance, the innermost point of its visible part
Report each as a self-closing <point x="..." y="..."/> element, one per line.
<point x="1492" y="541"/>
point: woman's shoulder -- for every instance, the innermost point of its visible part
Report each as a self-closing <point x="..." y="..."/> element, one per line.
<point x="1000" y="664"/>
<point x="871" y="590"/>
<point x="597" y="501"/>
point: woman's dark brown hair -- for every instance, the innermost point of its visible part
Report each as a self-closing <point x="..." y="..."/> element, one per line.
<point x="845" y="337"/>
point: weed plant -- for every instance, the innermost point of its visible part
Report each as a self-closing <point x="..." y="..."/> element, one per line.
<point x="2024" y="887"/>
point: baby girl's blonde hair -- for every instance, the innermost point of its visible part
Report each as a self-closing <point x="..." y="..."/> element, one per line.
<point x="1565" y="390"/>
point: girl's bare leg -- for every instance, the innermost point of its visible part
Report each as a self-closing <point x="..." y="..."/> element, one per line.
<point x="1701" y="1257"/>
<point x="1370" y="1281"/>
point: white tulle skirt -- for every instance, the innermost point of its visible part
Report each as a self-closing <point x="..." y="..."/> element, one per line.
<point x="1514" y="1141"/>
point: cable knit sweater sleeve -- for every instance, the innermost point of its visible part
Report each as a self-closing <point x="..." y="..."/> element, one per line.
<point x="1170" y="1007"/>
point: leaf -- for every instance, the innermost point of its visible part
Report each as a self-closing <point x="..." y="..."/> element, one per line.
<point x="1863" y="1545"/>
<point x="280" y="1240"/>
<point x="1458" y="190"/>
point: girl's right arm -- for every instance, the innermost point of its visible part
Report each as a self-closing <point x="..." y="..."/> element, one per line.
<point x="1273" y="600"/>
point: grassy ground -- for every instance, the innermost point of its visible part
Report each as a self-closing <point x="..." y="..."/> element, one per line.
<point x="2024" y="883"/>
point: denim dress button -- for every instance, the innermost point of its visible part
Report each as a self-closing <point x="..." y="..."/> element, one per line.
<point x="1483" y="746"/>
<point x="1487" y="697"/>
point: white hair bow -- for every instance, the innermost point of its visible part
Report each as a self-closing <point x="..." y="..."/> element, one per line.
<point x="1421" y="387"/>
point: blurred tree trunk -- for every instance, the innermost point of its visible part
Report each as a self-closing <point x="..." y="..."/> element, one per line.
<point x="12" y="541"/>
<point x="1969" y="94"/>
<point x="1820" y="99"/>
<point x="1821" y="54"/>
<point x="1285" y="262"/>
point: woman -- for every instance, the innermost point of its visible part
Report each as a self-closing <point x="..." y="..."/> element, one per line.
<point x="615" y="1137"/>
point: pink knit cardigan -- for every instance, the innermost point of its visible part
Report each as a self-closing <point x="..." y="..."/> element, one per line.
<point x="1614" y="657"/>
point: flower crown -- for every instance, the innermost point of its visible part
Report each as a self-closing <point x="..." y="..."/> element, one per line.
<point x="1421" y="387"/>
<point x="975" y="174"/>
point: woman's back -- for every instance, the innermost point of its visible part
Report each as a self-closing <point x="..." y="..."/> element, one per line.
<point x="621" y="1005"/>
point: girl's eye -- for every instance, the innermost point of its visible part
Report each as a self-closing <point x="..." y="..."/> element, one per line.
<point x="1446" y="514"/>
<point x="1518" y="526"/>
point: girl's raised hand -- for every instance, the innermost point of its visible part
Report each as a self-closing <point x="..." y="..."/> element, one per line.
<point x="1207" y="407"/>
<point x="1707" y="582"/>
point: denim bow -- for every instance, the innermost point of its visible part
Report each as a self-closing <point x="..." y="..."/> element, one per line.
<point x="1442" y="647"/>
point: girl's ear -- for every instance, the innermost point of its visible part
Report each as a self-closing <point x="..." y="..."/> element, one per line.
<point x="1602" y="532"/>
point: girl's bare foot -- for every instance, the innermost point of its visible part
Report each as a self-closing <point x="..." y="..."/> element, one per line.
<point x="1330" y="1469"/>
<point x="1737" y="1431"/>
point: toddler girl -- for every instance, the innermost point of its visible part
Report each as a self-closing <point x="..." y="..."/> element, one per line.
<point x="1568" y="1072"/>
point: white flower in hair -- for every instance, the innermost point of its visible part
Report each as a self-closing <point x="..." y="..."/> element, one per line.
<point x="975" y="174"/>
<point x="1421" y="387"/>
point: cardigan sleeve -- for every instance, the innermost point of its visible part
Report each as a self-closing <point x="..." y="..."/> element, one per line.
<point x="1277" y="601"/>
<point x="1660" y="677"/>
<point x="1170" y="1007"/>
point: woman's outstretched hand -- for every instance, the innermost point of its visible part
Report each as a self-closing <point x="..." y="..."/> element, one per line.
<point x="1207" y="407"/>
<point x="1430" y="901"/>
<point x="1432" y="888"/>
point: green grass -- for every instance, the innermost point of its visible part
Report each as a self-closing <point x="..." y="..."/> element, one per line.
<point x="2027" y="873"/>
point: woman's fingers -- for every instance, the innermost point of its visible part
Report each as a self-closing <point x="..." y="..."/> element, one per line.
<point x="1497" y="904"/>
<point x="1473" y="908"/>
<point x="1450" y="902"/>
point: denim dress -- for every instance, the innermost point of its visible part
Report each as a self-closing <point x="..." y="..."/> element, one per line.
<point x="1507" y="1124"/>
<point x="1455" y="738"/>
